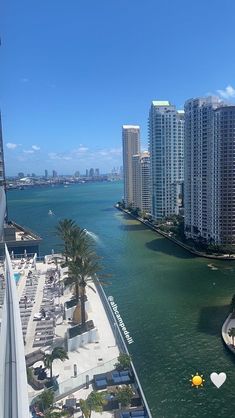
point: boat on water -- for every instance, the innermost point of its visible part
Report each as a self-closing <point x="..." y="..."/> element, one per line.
<point x="50" y="212"/>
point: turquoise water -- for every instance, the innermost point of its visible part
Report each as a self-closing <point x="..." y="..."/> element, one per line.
<point x="172" y="303"/>
<point x="17" y="277"/>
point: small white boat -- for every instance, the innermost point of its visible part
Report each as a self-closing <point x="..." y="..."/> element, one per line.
<point x="50" y="212"/>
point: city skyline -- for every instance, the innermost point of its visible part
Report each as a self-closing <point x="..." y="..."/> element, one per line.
<point x="46" y="101"/>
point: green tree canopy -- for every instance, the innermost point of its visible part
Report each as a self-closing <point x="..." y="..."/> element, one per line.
<point x="57" y="353"/>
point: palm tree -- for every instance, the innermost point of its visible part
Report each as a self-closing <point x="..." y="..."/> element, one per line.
<point x="79" y="243"/>
<point x="85" y="408"/>
<point x="124" y="362"/>
<point x="124" y="396"/>
<point x="94" y="402"/>
<point x="86" y="269"/>
<point x="231" y="333"/>
<point x="45" y="399"/>
<point x="57" y="353"/>
<point x="82" y="261"/>
<point x="78" y="247"/>
<point x="63" y="231"/>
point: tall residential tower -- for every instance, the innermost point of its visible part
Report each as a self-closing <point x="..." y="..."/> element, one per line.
<point x="166" y="147"/>
<point x="130" y="147"/>
<point x="210" y="171"/>
<point x="141" y="182"/>
<point x="200" y="160"/>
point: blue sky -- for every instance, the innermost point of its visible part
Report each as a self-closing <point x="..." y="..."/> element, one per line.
<point x="74" y="71"/>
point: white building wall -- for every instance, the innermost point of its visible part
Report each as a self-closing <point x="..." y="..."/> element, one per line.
<point x="166" y="147"/>
<point x="130" y="147"/>
<point x="141" y="181"/>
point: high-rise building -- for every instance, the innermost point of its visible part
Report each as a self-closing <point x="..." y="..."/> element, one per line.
<point x="97" y="172"/>
<point x="202" y="168"/>
<point x="46" y="174"/>
<point x="87" y="172"/>
<point x="130" y="147"/>
<point x="210" y="171"/>
<point x="20" y="175"/>
<point x="224" y="177"/>
<point x="141" y="181"/>
<point x="54" y="174"/>
<point x="91" y="172"/>
<point x="166" y="147"/>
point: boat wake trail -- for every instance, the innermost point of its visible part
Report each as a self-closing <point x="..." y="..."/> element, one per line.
<point x="93" y="236"/>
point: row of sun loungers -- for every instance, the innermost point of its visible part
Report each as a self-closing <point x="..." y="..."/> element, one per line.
<point x="44" y="332"/>
<point x="27" y="300"/>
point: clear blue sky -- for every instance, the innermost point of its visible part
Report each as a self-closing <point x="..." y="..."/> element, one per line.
<point x="74" y="71"/>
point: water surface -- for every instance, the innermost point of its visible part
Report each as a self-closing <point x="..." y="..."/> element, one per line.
<point x="173" y="303"/>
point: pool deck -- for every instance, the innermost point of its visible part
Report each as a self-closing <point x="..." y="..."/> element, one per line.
<point x="87" y="357"/>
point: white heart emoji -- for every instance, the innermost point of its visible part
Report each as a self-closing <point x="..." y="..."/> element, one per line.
<point x="218" y="379"/>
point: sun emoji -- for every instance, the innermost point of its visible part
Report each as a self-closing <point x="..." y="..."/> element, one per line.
<point x="197" y="380"/>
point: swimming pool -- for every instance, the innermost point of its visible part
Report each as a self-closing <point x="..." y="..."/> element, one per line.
<point x="17" y="277"/>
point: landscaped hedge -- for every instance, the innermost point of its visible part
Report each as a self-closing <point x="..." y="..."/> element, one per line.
<point x="79" y="329"/>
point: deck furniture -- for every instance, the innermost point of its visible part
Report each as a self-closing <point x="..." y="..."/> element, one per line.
<point x="121" y="377"/>
<point x="100" y="381"/>
<point x="131" y="413"/>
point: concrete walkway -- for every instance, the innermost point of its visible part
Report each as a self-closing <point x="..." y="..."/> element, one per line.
<point x="35" y="309"/>
<point x="92" y="354"/>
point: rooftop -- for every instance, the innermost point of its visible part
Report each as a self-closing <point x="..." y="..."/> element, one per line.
<point x="130" y="127"/>
<point x="161" y="103"/>
<point x="19" y="233"/>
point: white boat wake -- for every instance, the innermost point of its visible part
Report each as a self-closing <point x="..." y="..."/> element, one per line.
<point x="92" y="235"/>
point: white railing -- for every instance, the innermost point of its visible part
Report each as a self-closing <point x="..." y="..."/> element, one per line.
<point x="75" y="383"/>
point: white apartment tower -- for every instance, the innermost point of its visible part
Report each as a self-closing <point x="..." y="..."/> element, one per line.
<point x="141" y="181"/>
<point x="130" y="147"/>
<point x="166" y="147"/>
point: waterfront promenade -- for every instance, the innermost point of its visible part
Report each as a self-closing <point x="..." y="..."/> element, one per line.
<point x="181" y="244"/>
